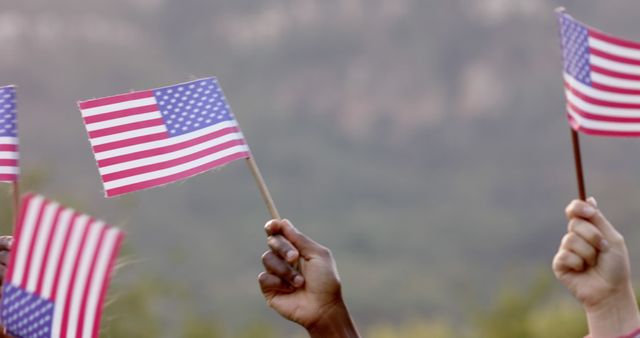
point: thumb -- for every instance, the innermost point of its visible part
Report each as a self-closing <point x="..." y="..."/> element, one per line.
<point x="305" y="245"/>
<point x="599" y="220"/>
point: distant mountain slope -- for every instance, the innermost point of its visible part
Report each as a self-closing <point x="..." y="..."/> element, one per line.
<point x="424" y="141"/>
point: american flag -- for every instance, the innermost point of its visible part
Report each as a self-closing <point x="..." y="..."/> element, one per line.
<point x="150" y="138"/>
<point x="9" y="168"/>
<point x="602" y="80"/>
<point x="58" y="272"/>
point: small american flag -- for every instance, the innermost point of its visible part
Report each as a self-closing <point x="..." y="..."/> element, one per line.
<point x="602" y="80"/>
<point x="150" y="138"/>
<point x="9" y="168"/>
<point x="58" y="272"/>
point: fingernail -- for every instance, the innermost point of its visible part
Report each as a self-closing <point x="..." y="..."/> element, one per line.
<point x="604" y="245"/>
<point x="589" y="211"/>
<point x="593" y="200"/>
<point x="298" y="281"/>
<point x="291" y="255"/>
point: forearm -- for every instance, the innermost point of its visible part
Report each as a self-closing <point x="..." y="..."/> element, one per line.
<point x="617" y="317"/>
<point x="335" y="323"/>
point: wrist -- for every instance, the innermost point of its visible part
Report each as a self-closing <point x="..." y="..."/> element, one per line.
<point x="616" y="316"/>
<point x="334" y="322"/>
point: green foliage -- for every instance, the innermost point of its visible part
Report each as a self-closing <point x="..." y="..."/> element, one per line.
<point x="129" y="314"/>
<point x="528" y="313"/>
<point x="258" y="329"/>
<point x="199" y="327"/>
<point x="510" y="315"/>
<point x="414" y="329"/>
<point x="531" y="313"/>
<point x="135" y="308"/>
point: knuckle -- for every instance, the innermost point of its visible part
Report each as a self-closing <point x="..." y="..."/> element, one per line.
<point x="569" y="209"/>
<point x="618" y="239"/>
<point x="290" y="273"/>
<point x="561" y="258"/>
<point x="555" y="264"/>
<point x="594" y="237"/>
<point x="272" y="241"/>
<point x="325" y="252"/>
<point x="266" y="256"/>
<point x="566" y="240"/>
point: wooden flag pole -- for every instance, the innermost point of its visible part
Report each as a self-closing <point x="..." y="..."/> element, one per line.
<point x="16" y="206"/>
<point x="266" y="196"/>
<point x="575" y="139"/>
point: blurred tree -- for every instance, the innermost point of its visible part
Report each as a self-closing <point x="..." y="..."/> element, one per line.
<point x="414" y="329"/>
<point x="531" y="313"/>
<point x="130" y="313"/>
<point x="257" y="329"/>
<point x="196" y="326"/>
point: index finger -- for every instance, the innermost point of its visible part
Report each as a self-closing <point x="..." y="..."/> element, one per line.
<point x="280" y="245"/>
<point x="590" y="212"/>
<point x="579" y="209"/>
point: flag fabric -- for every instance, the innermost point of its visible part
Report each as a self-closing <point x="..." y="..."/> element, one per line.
<point x="150" y="138"/>
<point x="58" y="273"/>
<point x="9" y="167"/>
<point x="601" y="79"/>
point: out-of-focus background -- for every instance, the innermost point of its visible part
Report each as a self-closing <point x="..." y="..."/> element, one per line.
<point x="424" y="142"/>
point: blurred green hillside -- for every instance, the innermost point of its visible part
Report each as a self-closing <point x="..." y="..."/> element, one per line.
<point x="424" y="142"/>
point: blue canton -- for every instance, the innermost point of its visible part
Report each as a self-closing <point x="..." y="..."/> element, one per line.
<point x="575" y="49"/>
<point x="8" y="124"/>
<point x="25" y="314"/>
<point x="194" y="105"/>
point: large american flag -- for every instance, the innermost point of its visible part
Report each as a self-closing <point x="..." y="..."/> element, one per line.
<point x="58" y="273"/>
<point x="155" y="137"/>
<point x="9" y="168"/>
<point x="602" y="80"/>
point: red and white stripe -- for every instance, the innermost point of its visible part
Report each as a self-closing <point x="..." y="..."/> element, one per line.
<point x="134" y="151"/>
<point x="67" y="258"/>
<point x="9" y="166"/>
<point x="610" y="106"/>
